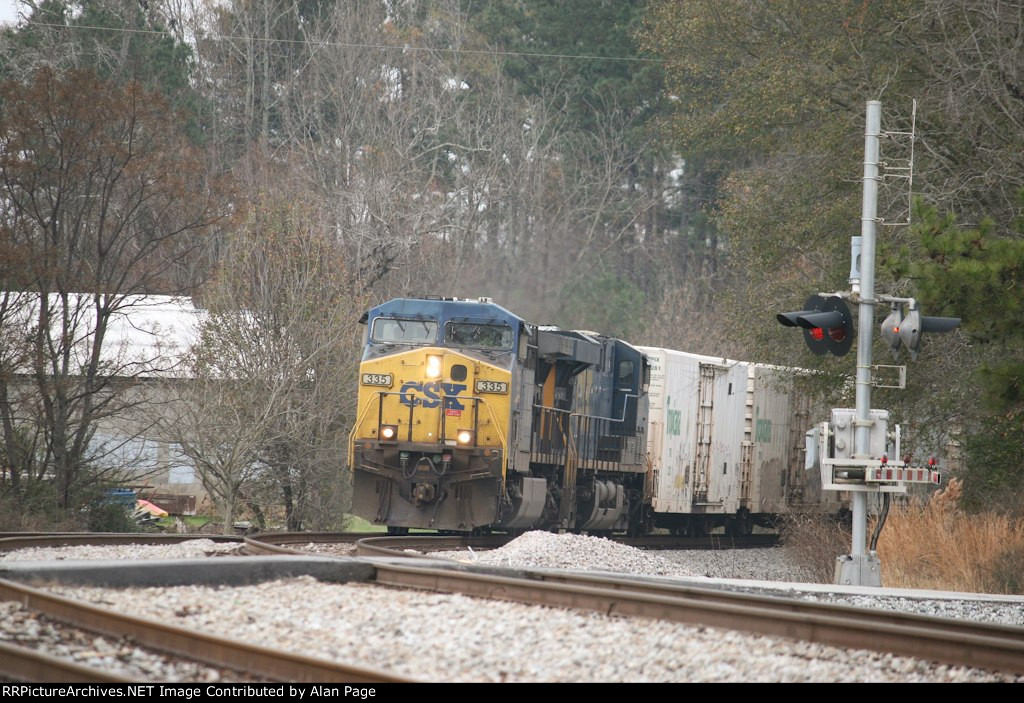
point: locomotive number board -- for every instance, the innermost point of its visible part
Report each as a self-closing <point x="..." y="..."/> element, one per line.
<point x="377" y="379"/>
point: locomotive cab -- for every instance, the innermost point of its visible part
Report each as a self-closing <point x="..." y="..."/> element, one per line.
<point x="430" y="447"/>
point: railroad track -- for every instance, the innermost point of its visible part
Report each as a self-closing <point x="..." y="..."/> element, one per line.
<point x="956" y="642"/>
<point x="268" y="664"/>
<point x="960" y="643"/>
<point x="374" y="544"/>
<point x="365" y="543"/>
<point x="963" y="643"/>
<point x="23" y="664"/>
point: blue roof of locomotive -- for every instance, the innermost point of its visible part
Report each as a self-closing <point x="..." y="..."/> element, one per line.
<point x="444" y="310"/>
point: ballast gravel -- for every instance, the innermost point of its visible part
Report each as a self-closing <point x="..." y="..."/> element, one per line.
<point x="1003" y="613"/>
<point x="549" y="550"/>
<point x="440" y="637"/>
<point x="568" y="551"/>
<point x="27" y="629"/>
<point x="189" y="549"/>
<point x="339" y="549"/>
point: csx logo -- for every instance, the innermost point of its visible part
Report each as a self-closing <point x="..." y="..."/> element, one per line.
<point x="432" y="394"/>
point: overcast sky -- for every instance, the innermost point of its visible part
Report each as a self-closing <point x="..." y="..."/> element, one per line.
<point x="8" y="11"/>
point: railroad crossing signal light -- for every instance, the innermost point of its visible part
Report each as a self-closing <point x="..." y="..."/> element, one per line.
<point x="827" y="324"/>
<point x="908" y="330"/>
<point x="891" y="331"/>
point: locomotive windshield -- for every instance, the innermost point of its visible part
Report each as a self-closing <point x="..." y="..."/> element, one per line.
<point x="390" y="330"/>
<point x="478" y="336"/>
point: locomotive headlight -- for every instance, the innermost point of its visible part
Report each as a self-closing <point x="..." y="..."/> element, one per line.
<point x="433" y="366"/>
<point x="388" y="432"/>
<point x="465" y="437"/>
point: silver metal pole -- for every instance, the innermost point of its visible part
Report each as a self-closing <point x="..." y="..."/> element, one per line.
<point x="866" y="314"/>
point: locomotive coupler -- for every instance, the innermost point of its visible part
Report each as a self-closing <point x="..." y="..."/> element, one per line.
<point x="423" y="493"/>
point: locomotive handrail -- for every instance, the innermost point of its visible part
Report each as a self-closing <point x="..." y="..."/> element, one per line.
<point x="591" y="430"/>
<point x="570" y="413"/>
<point x="355" y="427"/>
<point x="610" y="419"/>
<point x="501" y="438"/>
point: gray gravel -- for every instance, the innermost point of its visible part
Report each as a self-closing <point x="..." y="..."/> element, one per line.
<point x="339" y="549"/>
<point x="472" y="640"/>
<point x="774" y="564"/>
<point x="567" y="551"/>
<point x="1004" y="613"/>
<point x="441" y="637"/>
<point x="25" y="628"/>
<point x="548" y="550"/>
<point x="189" y="549"/>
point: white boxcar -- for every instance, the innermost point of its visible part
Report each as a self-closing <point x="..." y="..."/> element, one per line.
<point x="726" y="443"/>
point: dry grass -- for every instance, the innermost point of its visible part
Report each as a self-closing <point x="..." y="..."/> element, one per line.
<point x="936" y="545"/>
<point x="928" y="544"/>
<point x="813" y="542"/>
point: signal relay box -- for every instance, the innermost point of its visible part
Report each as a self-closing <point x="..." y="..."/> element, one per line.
<point x="831" y="449"/>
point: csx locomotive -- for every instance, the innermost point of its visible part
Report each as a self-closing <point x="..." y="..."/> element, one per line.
<point x="469" y="418"/>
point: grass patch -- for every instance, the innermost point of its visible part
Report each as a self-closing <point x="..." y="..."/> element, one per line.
<point x="193" y="523"/>
<point x="354" y="523"/>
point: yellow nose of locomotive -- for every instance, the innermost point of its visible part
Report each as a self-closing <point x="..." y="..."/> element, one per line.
<point x="429" y="446"/>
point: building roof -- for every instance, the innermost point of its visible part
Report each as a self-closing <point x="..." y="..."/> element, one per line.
<point x="147" y="335"/>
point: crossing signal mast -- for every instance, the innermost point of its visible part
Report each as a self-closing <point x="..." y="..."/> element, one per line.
<point x="854" y="450"/>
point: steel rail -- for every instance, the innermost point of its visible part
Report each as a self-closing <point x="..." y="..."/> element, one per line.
<point x="24" y="664"/>
<point x="779" y="603"/>
<point x="395" y="546"/>
<point x="197" y="646"/>
<point x="277" y="542"/>
<point x="961" y="643"/>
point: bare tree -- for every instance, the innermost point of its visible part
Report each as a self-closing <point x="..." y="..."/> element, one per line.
<point x="270" y="403"/>
<point x="103" y="201"/>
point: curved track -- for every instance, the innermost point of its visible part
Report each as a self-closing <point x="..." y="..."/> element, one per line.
<point x="375" y="544"/>
<point x="956" y="642"/>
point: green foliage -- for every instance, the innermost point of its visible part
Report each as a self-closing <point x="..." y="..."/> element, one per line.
<point x="105" y="516"/>
<point x="977" y="276"/>
<point x="750" y="77"/>
<point x="768" y="106"/>
<point x="993" y="477"/>
<point x="117" y="41"/>
<point x="594" y="29"/>
<point x="764" y="109"/>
